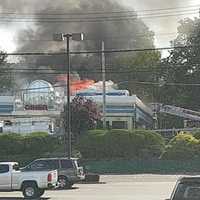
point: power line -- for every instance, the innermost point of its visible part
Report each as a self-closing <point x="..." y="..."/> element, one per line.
<point x="132" y="81"/>
<point x="108" y="68"/>
<point x="99" y="51"/>
<point x="55" y="12"/>
<point x="38" y="88"/>
<point x="62" y="72"/>
<point x="90" y="37"/>
<point x="165" y="84"/>
<point x="15" y="17"/>
<point x="94" y="19"/>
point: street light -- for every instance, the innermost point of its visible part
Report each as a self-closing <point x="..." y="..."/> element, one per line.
<point x="61" y="37"/>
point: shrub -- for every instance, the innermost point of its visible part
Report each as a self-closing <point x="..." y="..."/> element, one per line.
<point x="10" y="144"/>
<point x="149" y="144"/>
<point x="34" y="144"/>
<point x="38" y="145"/>
<point x="39" y="134"/>
<point x="181" y="147"/>
<point x="196" y="134"/>
<point x="109" y="144"/>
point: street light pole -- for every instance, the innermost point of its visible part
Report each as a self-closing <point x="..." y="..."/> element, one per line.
<point x="61" y="37"/>
<point x="68" y="99"/>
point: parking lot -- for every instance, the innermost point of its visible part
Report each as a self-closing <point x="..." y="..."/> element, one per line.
<point x="118" y="187"/>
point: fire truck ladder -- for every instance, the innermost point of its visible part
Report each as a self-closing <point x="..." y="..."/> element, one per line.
<point x="177" y="111"/>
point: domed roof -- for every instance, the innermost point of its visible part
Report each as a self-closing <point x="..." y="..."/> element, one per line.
<point x="40" y="86"/>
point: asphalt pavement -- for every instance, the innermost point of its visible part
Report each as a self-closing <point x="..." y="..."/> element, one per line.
<point x="112" y="187"/>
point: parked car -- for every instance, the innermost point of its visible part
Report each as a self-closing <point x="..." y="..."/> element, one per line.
<point x="187" y="188"/>
<point x="69" y="171"/>
<point x="32" y="184"/>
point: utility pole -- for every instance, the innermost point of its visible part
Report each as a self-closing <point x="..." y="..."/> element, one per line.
<point x="135" y="115"/>
<point x="104" y="82"/>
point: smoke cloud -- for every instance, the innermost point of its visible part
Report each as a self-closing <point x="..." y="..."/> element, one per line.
<point x="43" y="31"/>
<point x="37" y="36"/>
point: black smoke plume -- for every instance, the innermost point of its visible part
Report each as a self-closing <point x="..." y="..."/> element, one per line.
<point x="103" y="20"/>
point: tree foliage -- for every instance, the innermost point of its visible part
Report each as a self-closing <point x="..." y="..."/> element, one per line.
<point x="5" y="75"/>
<point x="137" y="67"/>
<point x="84" y="115"/>
<point x="181" y="147"/>
<point x="3" y="57"/>
<point x="183" y="66"/>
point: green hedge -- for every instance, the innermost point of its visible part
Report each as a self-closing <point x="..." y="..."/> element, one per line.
<point x="196" y="134"/>
<point x="32" y="145"/>
<point x="103" y="145"/>
<point x="184" y="146"/>
<point x="109" y="144"/>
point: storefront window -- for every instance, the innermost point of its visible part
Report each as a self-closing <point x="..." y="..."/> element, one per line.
<point x="40" y="95"/>
<point x="119" y="124"/>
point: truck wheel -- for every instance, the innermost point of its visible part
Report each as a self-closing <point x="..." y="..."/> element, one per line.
<point x="41" y="192"/>
<point x="30" y="191"/>
<point x="64" y="183"/>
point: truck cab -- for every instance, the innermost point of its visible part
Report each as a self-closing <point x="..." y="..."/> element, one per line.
<point x="32" y="184"/>
<point x="5" y="176"/>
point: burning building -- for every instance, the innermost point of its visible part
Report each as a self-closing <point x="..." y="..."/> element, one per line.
<point x="38" y="106"/>
<point x="123" y="111"/>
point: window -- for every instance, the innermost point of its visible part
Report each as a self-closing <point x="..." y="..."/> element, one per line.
<point x="192" y="193"/>
<point x="4" y="169"/>
<point x="43" y="165"/>
<point x="7" y="123"/>
<point x="108" y="125"/>
<point x="39" y="165"/>
<point x="53" y="164"/>
<point x="119" y="124"/>
<point x="66" y="164"/>
<point x="188" y="191"/>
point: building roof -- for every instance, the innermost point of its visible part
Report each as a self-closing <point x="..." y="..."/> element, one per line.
<point x="122" y="101"/>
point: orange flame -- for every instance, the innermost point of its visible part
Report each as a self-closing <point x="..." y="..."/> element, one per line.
<point x="81" y="85"/>
<point x="76" y="85"/>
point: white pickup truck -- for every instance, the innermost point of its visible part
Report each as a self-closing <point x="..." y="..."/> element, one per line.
<point x="32" y="184"/>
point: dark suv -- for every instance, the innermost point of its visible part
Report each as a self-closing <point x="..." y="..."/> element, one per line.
<point x="187" y="188"/>
<point x="69" y="172"/>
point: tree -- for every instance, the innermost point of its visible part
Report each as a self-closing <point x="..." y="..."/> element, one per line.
<point x="183" y="66"/>
<point x="128" y="71"/>
<point x="84" y="115"/>
<point x="3" y="57"/>
<point x="5" y="75"/>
